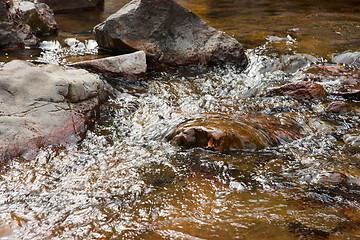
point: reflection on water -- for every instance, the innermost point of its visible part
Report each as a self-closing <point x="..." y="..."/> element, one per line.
<point x="321" y="28"/>
<point x="125" y="181"/>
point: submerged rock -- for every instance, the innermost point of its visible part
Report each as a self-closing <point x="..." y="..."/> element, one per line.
<point x="331" y="178"/>
<point x="303" y="232"/>
<point x="339" y="107"/>
<point x="352" y="141"/>
<point x="131" y="66"/>
<point x="300" y="89"/>
<point x="168" y="33"/>
<point x="61" y="5"/>
<point x="338" y="80"/>
<point x="222" y="133"/>
<point x="41" y="106"/>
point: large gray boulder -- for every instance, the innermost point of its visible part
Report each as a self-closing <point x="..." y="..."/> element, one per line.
<point x="61" y="5"/>
<point x="168" y="33"/>
<point x="41" y="106"/>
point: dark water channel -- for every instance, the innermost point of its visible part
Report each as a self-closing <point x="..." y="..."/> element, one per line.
<point x="124" y="181"/>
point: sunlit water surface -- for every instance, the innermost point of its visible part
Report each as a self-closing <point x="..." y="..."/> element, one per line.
<point x="125" y="181"/>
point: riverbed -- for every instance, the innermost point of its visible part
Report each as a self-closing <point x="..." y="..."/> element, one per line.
<point x="126" y="181"/>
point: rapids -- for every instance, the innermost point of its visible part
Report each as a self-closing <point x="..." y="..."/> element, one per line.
<point x="125" y="180"/>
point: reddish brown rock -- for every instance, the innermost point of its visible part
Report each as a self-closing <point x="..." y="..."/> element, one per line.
<point x="339" y="107"/>
<point x="222" y="133"/>
<point x="332" y="178"/>
<point x="338" y="80"/>
<point x="301" y="89"/>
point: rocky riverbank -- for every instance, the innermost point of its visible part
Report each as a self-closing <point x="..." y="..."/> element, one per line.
<point x="71" y="96"/>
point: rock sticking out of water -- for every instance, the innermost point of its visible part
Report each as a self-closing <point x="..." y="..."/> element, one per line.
<point x="301" y="89"/>
<point x="168" y="34"/>
<point x="21" y="24"/>
<point x="349" y="58"/>
<point x="336" y="79"/>
<point x="220" y="133"/>
<point x="131" y="66"/>
<point x="38" y="16"/>
<point x="42" y="106"/>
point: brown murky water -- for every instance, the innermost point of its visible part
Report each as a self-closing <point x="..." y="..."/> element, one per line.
<point x="124" y="181"/>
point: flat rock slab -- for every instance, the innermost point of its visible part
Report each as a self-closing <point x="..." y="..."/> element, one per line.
<point x="169" y="34"/>
<point x="44" y="105"/>
<point x="132" y="66"/>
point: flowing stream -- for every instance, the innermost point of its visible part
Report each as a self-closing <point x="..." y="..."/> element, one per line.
<point x="126" y="181"/>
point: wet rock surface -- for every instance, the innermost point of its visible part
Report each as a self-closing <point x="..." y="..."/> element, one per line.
<point x="336" y="79"/>
<point x="352" y="140"/>
<point x="339" y="107"/>
<point x="174" y="39"/>
<point x="61" y="5"/>
<point x="23" y="22"/>
<point x="38" y="16"/>
<point x="132" y="66"/>
<point x="301" y="89"/>
<point x="332" y="178"/>
<point x="221" y="133"/>
<point x="348" y="58"/>
<point x="25" y="36"/>
<point x="41" y="106"/>
<point x="121" y="182"/>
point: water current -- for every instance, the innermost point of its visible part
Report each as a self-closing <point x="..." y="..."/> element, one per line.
<point x="125" y="181"/>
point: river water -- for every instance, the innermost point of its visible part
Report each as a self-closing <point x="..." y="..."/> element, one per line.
<point x="125" y="181"/>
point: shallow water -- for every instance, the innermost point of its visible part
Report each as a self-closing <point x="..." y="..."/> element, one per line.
<point x="125" y="181"/>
